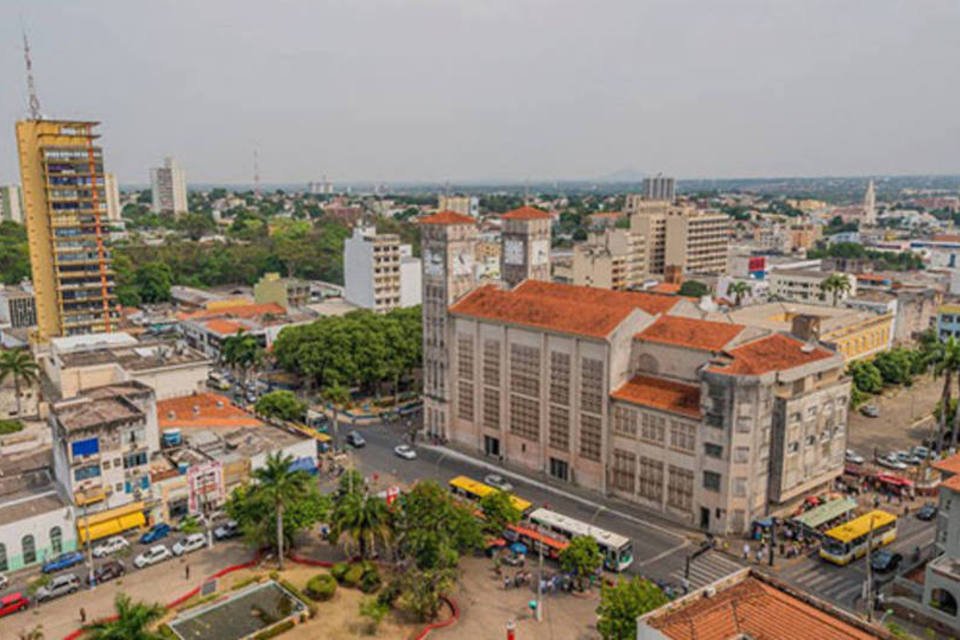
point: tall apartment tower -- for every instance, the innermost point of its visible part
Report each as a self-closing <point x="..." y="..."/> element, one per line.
<point x="525" y="254"/>
<point x="448" y="242"/>
<point x="870" y="205"/>
<point x="169" y="188"/>
<point x="659" y="187"/>
<point x="11" y="204"/>
<point x="61" y="170"/>
<point x="379" y="272"/>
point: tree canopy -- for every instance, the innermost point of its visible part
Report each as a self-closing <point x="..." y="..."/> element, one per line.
<point x="694" y="289"/>
<point x="582" y="557"/>
<point x="621" y="604"/>
<point x="14" y="254"/>
<point x="281" y="404"/>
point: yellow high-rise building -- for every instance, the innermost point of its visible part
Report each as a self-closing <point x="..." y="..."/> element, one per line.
<point x="65" y="210"/>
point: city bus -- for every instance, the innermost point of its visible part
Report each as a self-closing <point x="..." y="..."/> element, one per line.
<point x="535" y="540"/>
<point x="473" y="490"/>
<point x="847" y="542"/>
<point x="617" y="549"/>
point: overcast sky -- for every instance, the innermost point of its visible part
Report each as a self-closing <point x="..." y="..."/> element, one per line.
<point x="395" y="90"/>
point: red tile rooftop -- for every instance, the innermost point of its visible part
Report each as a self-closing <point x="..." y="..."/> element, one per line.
<point x="239" y="311"/>
<point x="203" y="410"/>
<point x="526" y="213"/>
<point x="755" y="609"/>
<point x="447" y="217"/>
<point x="670" y="288"/>
<point x="949" y="465"/>
<point x="224" y="327"/>
<point x="952" y="483"/>
<point x="775" y="352"/>
<point x="584" y="311"/>
<point x="658" y="393"/>
<point x="691" y="333"/>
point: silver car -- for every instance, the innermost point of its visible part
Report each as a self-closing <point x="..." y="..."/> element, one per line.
<point x="192" y="542"/>
<point x="497" y="481"/>
<point x="59" y="586"/>
<point x="155" y="554"/>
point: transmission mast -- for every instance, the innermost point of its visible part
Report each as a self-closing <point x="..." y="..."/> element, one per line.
<point x="31" y="85"/>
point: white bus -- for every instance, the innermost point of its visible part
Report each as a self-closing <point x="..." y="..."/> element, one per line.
<point x="617" y="549"/>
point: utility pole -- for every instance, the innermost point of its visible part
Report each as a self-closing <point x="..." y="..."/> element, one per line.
<point x="870" y="572"/>
<point x="86" y="526"/>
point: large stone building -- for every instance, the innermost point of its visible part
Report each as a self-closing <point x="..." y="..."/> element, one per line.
<point x="710" y="423"/>
<point x="526" y="246"/>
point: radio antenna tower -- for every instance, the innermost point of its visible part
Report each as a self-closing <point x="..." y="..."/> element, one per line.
<point x="31" y="85"/>
<point x="256" y="172"/>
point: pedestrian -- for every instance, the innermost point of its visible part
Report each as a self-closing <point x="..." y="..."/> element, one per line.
<point x="186" y="572"/>
<point x="506" y="583"/>
<point x="746" y="550"/>
<point x="83" y="615"/>
<point x="685" y="584"/>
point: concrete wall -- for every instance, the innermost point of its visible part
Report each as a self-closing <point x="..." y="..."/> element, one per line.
<point x="358" y="272"/>
<point x="40" y="527"/>
<point x="411" y="288"/>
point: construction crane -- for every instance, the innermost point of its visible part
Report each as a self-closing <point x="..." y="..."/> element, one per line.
<point x="31" y="85"/>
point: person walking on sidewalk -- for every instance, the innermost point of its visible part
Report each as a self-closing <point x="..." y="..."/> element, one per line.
<point x="83" y="615"/>
<point x="746" y="550"/>
<point x="186" y="572"/>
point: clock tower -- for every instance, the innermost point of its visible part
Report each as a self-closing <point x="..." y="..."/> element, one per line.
<point x="448" y="243"/>
<point x="525" y="254"/>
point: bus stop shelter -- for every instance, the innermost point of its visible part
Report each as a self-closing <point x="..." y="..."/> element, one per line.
<point x="827" y="512"/>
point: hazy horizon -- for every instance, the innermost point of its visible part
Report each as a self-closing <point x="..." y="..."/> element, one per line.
<point x="428" y="91"/>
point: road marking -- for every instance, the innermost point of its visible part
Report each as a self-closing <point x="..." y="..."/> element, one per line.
<point x="663" y="554"/>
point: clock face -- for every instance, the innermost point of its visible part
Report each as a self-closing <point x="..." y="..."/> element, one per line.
<point x="463" y="263"/>
<point x="513" y="252"/>
<point x="540" y="253"/>
<point x="432" y="263"/>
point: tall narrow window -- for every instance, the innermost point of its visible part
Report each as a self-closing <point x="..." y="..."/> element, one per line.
<point x="29" y="549"/>
<point x="56" y="540"/>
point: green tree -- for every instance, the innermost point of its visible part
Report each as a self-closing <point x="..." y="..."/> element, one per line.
<point x="693" y="289"/>
<point x="738" y="290"/>
<point x="14" y="253"/>
<point x="281" y="404"/>
<point x="280" y="487"/>
<point x="582" y="558"/>
<point x="498" y="511"/>
<point x="352" y="481"/>
<point x="133" y="621"/>
<point x="946" y="363"/>
<point x="242" y="352"/>
<point x="374" y="611"/>
<point x="153" y="281"/>
<point x="361" y="521"/>
<point x="421" y="590"/>
<point x="896" y="366"/>
<point x="836" y="285"/>
<point x="19" y="365"/>
<point x="866" y="377"/>
<point x="433" y="529"/>
<point x="336" y="396"/>
<point x="196" y="225"/>
<point x="621" y="604"/>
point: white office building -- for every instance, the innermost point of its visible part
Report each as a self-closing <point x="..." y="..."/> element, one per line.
<point x="380" y="273"/>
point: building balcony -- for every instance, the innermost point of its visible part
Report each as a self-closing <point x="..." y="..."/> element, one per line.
<point x="89" y="496"/>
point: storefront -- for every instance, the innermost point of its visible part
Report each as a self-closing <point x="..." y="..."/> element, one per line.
<point x="111" y="522"/>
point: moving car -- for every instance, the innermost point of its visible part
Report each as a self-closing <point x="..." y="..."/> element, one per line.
<point x="191" y="543"/>
<point x="871" y="411"/>
<point x="60" y="586"/>
<point x="112" y="545"/>
<point x="497" y="481"/>
<point x="927" y="512"/>
<point x="405" y="451"/>
<point x="229" y="529"/>
<point x="354" y="439"/>
<point x="853" y="457"/>
<point x="890" y="461"/>
<point x="12" y="603"/>
<point x="885" y="560"/>
<point x="62" y="561"/>
<point x="157" y="532"/>
<point x="155" y="554"/>
<point x="108" y="571"/>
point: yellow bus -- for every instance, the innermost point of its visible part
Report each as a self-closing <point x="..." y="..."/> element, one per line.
<point x="847" y="542"/>
<point x="473" y="490"/>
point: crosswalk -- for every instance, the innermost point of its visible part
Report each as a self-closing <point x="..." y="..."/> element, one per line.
<point x="706" y="569"/>
<point x="840" y="585"/>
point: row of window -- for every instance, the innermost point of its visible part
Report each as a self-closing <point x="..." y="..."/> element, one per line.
<point x="28" y="548"/>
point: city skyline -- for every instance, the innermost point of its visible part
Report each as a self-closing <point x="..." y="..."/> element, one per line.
<point x="423" y="91"/>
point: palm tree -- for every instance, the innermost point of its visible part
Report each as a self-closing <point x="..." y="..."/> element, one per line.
<point x="946" y="362"/>
<point x="738" y="289"/>
<point x="836" y="284"/>
<point x="19" y="364"/>
<point x="336" y="395"/>
<point x="361" y="520"/>
<point x="281" y="486"/>
<point x="242" y="352"/>
<point x="131" y="623"/>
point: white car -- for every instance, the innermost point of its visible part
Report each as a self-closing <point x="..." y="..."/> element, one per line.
<point x="853" y="457"/>
<point x="155" y="554"/>
<point x="112" y="545"/>
<point x="497" y="481"/>
<point x="192" y="542"/>
<point x="890" y="462"/>
<point x="405" y="451"/>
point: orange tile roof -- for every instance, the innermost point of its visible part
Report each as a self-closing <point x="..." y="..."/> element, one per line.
<point x="775" y="352"/>
<point x="755" y="609"/>
<point x="665" y="287"/>
<point x="447" y="217"/>
<point x="203" y="410"/>
<point x="692" y="333"/>
<point x="949" y="465"/>
<point x="563" y="308"/>
<point x="952" y="483"/>
<point x="224" y="327"/>
<point x="658" y="393"/>
<point x="526" y="213"/>
<point x="239" y="311"/>
<point x="946" y="237"/>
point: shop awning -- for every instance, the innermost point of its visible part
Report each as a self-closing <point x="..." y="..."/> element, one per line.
<point x="826" y="512"/>
<point x="110" y="522"/>
<point x="304" y="464"/>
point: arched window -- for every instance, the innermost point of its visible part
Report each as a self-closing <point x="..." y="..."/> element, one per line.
<point x="29" y="549"/>
<point x="56" y="540"/>
<point x="944" y="601"/>
<point x="3" y="558"/>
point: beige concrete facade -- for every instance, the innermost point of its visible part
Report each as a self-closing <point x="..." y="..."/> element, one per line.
<point x="610" y="259"/>
<point x="526" y="249"/>
<point x="696" y="241"/>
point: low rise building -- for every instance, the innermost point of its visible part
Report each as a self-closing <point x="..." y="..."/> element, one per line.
<point x="18" y="307"/>
<point x="286" y="292"/>
<point x="803" y="285"/>
<point x="948" y="321"/>
<point x="380" y="273"/>
<point x="610" y="259"/>
<point x="206" y="330"/>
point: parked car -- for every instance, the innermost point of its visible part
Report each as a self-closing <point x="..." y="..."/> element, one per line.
<point x="12" y="603"/>
<point x="870" y="410"/>
<point x="62" y="561"/>
<point x="405" y="451"/>
<point x="927" y="512"/>
<point x="111" y="546"/>
<point x="497" y="481"/>
<point x="885" y="560"/>
<point x="153" y="555"/>
<point x="60" y="586"/>
<point x="921" y="452"/>
<point x="157" y="532"/>
<point x="890" y="461"/>
<point x="354" y="439"/>
<point x="229" y="529"/>
<point x="908" y="458"/>
<point x="853" y="457"/>
<point x="110" y="570"/>
<point x="190" y="543"/>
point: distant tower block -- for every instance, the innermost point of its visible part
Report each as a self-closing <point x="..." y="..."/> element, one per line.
<point x="870" y="205"/>
<point x="525" y="253"/>
<point x="449" y="242"/>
